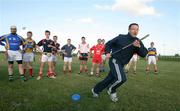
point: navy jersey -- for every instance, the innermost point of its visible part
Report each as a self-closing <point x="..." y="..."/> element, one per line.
<point x="12" y="41"/>
<point x="68" y="49"/>
<point x="45" y="43"/>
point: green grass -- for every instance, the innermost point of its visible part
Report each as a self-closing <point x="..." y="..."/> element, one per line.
<point x="141" y="92"/>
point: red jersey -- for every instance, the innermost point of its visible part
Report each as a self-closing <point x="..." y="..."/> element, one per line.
<point x="98" y="50"/>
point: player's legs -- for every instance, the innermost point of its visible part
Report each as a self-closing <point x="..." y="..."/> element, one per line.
<point x="120" y="78"/>
<point x="30" y="68"/>
<point x="97" y="69"/>
<point x="80" y="66"/>
<point x="92" y="68"/>
<point x="99" y="87"/>
<point x="44" y="59"/>
<point x="148" y="65"/>
<point x="10" y="56"/>
<point x="108" y="80"/>
<point x="155" y="65"/>
<point x="18" y="59"/>
<point x="127" y="67"/>
<point x="25" y="66"/>
<point x="53" y="67"/>
<point x="98" y="63"/>
<point x="30" y="63"/>
<point x="64" y="66"/>
<point x="134" y="66"/>
<point x="41" y="70"/>
<point x="103" y="65"/>
<point x="50" y="73"/>
<point x="10" y="70"/>
<point x="85" y="66"/>
<point x="54" y="59"/>
<point x="21" y="70"/>
<point x="69" y="66"/>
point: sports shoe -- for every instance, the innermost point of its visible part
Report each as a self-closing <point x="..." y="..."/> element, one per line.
<point x="113" y="96"/>
<point x="52" y="77"/>
<point x="39" y="77"/>
<point x="95" y="95"/>
<point x="91" y="73"/>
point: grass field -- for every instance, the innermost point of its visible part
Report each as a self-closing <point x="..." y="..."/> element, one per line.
<point x="141" y="92"/>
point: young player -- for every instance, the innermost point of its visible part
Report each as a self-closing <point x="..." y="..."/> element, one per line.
<point x="67" y="51"/>
<point x="47" y="45"/>
<point x="83" y="51"/>
<point x="132" y="62"/>
<point x="28" y="56"/>
<point x="116" y="76"/>
<point x="13" y="42"/>
<point x="97" y="59"/>
<point x="55" y="50"/>
<point x="102" y="66"/>
<point x="152" y="58"/>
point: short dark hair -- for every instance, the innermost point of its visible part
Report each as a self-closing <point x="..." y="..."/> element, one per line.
<point x="47" y="31"/>
<point x="29" y="32"/>
<point x="132" y="25"/>
<point x="69" y="39"/>
<point x="55" y="36"/>
<point x="99" y="39"/>
<point x="83" y="38"/>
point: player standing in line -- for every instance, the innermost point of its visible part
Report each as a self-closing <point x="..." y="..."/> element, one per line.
<point x="28" y="55"/>
<point x="55" y="51"/>
<point x="47" y="45"/>
<point x="97" y="59"/>
<point x="132" y="62"/>
<point x="67" y="51"/>
<point x="152" y="58"/>
<point x="102" y="66"/>
<point x="83" y="51"/>
<point x="13" y="51"/>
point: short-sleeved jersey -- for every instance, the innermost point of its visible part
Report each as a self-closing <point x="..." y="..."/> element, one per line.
<point x="152" y="51"/>
<point x="83" y="48"/>
<point x="45" y="43"/>
<point x="68" y="49"/>
<point x="12" y="41"/>
<point x="98" y="50"/>
<point x="55" y="50"/>
<point x="29" y="45"/>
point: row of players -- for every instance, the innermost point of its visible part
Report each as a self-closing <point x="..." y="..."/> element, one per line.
<point x="51" y="48"/>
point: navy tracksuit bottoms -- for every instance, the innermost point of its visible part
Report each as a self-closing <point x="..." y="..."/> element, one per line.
<point x="115" y="78"/>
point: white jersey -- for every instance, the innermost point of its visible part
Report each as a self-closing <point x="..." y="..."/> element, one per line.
<point x="83" y="48"/>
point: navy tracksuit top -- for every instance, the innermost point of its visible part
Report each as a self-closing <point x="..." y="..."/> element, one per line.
<point x="124" y="56"/>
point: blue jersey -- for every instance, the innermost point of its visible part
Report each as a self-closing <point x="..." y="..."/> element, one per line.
<point x="13" y="41"/>
<point x="152" y="51"/>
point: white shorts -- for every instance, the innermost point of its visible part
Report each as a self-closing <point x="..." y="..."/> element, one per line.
<point x="14" y="55"/>
<point x="28" y="57"/>
<point x="46" y="58"/>
<point x="67" y="59"/>
<point x="54" y="58"/>
<point x="103" y="57"/>
<point x="151" y="60"/>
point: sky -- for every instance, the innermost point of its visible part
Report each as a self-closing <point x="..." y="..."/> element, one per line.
<point x="95" y="19"/>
